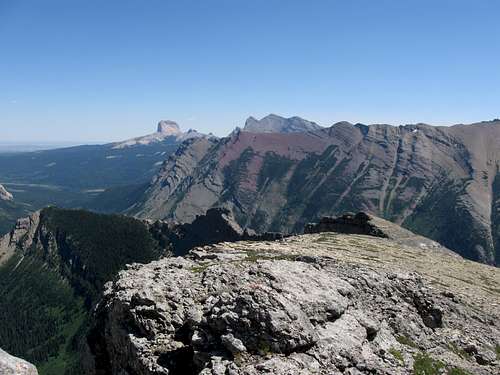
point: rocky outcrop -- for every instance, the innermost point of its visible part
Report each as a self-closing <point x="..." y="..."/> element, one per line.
<point x="10" y="365"/>
<point x="217" y="225"/>
<point x="436" y="181"/>
<point x="20" y="238"/>
<point x="168" y="127"/>
<point x="321" y="303"/>
<point x="347" y="223"/>
<point x="277" y="124"/>
<point x="5" y="195"/>
<point x="370" y="225"/>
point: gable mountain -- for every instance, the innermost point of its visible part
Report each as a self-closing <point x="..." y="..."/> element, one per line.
<point x="441" y="182"/>
<point x="277" y="124"/>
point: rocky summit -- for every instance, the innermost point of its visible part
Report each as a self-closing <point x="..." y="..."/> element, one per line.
<point x="440" y="182"/>
<point x="168" y="127"/>
<point x="322" y="303"/>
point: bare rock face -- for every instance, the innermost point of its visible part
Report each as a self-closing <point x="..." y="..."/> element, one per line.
<point x="10" y="365"/>
<point x="313" y="304"/>
<point x="5" y="195"/>
<point x="20" y="237"/>
<point x="168" y="127"/>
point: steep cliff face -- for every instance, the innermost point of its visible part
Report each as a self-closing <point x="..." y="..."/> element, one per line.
<point x="313" y="304"/>
<point x="438" y="181"/>
<point x="53" y="266"/>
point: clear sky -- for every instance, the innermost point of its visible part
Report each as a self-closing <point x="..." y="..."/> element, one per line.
<point x="85" y="70"/>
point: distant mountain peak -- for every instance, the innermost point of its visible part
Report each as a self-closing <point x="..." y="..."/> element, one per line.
<point x="273" y="123"/>
<point x="5" y="195"/>
<point x="168" y="127"/>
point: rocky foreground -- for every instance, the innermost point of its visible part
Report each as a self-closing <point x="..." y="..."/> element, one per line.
<point x="313" y="304"/>
<point x="10" y="365"/>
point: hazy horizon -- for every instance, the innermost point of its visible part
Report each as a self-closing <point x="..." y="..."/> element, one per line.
<point x="87" y="72"/>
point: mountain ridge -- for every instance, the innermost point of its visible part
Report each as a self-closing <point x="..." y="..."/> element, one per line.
<point x="411" y="174"/>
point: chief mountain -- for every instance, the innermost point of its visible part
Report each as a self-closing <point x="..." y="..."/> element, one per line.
<point x="277" y="174"/>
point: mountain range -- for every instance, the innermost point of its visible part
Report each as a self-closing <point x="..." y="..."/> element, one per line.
<point x="201" y="270"/>
<point x="441" y="182"/>
<point x="277" y="174"/>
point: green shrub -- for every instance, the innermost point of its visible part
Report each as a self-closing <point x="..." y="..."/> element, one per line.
<point x="425" y="365"/>
<point x="397" y="354"/>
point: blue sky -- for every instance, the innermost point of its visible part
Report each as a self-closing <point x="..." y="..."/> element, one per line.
<point x="85" y="70"/>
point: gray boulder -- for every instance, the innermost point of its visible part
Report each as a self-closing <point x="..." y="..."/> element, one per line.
<point x="10" y="365"/>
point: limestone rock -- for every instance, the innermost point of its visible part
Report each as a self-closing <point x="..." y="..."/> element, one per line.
<point x="168" y="127"/>
<point x="313" y="304"/>
<point x="10" y="365"/>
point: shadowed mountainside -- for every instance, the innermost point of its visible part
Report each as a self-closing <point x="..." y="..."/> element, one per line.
<point x="53" y="266"/>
